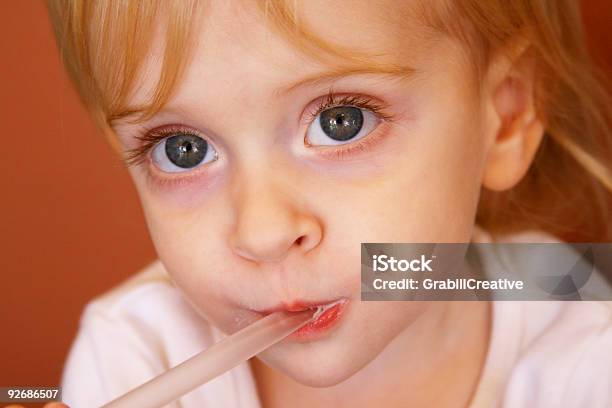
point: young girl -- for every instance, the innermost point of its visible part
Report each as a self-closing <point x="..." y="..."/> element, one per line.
<point x="268" y="139"/>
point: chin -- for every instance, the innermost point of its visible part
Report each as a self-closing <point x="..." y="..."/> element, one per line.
<point x="318" y="365"/>
<point x="358" y="341"/>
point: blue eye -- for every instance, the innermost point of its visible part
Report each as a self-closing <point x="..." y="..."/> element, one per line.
<point x="341" y="125"/>
<point x="181" y="152"/>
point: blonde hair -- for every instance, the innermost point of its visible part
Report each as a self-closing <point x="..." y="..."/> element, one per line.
<point x="567" y="190"/>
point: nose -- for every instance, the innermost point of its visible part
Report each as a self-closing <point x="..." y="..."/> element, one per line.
<point x="271" y="221"/>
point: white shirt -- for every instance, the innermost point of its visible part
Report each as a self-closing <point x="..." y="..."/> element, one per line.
<point x="541" y="354"/>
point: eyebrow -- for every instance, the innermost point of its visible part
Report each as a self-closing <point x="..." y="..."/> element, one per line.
<point x="392" y="70"/>
<point x="387" y="69"/>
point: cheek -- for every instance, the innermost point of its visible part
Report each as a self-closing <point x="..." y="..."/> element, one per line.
<point x="189" y="241"/>
<point x="428" y="193"/>
<point x="433" y="192"/>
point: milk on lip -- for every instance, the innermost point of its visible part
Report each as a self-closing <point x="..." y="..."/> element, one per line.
<point x="321" y="309"/>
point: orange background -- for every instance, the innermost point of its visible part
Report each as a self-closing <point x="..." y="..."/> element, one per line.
<point x="71" y="223"/>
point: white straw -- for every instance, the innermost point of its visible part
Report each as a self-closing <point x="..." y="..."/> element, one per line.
<point x="214" y="361"/>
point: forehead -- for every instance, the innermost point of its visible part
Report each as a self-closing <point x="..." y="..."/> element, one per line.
<point x="237" y="46"/>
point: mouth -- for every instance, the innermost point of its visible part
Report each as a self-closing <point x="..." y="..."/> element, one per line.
<point x="326" y="316"/>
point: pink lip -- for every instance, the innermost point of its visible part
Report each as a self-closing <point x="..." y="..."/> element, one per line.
<point x="312" y="330"/>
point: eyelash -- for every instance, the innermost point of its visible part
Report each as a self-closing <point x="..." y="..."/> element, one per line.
<point x="149" y="138"/>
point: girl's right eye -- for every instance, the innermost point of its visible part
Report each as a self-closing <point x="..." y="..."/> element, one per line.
<point x="181" y="152"/>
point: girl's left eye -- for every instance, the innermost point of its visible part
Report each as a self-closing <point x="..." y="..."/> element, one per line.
<point x="340" y="125"/>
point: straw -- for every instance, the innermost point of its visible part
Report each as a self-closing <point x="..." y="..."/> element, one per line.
<point x="214" y="361"/>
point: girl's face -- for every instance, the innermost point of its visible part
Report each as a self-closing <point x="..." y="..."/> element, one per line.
<point x="255" y="201"/>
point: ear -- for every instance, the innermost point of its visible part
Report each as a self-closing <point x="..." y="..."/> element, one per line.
<point x="515" y="132"/>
